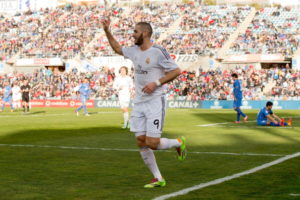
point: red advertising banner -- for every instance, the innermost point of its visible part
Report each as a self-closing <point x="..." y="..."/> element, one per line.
<point x="185" y="58"/>
<point x="60" y="103"/>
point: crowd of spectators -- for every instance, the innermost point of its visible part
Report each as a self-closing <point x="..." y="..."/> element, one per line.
<point x="286" y="84"/>
<point x="275" y="83"/>
<point x="21" y="31"/>
<point x="272" y="31"/>
<point x="70" y="31"/>
<point x="67" y="32"/>
<point x="204" y="29"/>
<point x="123" y="26"/>
<point x="60" y="32"/>
<point x="48" y="84"/>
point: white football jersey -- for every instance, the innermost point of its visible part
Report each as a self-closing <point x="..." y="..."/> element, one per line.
<point x="16" y="91"/>
<point x="149" y="66"/>
<point x="123" y="85"/>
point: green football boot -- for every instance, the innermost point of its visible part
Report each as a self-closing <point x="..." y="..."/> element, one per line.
<point x="156" y="183"/>
<point x="182" y="149"/>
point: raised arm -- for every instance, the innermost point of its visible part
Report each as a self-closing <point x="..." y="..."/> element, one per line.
<point x="112" y="41"/>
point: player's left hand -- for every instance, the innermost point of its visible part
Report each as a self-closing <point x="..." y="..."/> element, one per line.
<point x="149" y="88"/>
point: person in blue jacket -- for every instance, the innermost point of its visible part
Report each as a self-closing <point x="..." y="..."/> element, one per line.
<point x="267" y="117"/>
<point x="238" y="97"/>
<point x="7" y="96"/>
<point x="84" y="90"/>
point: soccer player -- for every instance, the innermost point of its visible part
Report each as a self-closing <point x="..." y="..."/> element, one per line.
<point x="123" y="84"/>
<point x="238" y="97"/>
<point x="16" y="95"/>
<point x="25" y="88"/>
<point x="84" y="90"/>
<point x="267" y="117"/>
<point x="153" y="67"/>
<point x="7" y="96"/>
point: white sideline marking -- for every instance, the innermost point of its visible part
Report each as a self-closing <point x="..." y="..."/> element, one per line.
<point x="115" y="149"/>
<point x="239" y="154"/>
<point x="43" y="115"/>
<point x="66" y="147"/>
<point x="255" y="127"/>
<point x="295" y="195"/>
<point x="32" y="115"/>
<point x="292" y="117"/>
<point x="205" y="125"/>
<point x="107" y="112"/>
<point x="227" y="178"/>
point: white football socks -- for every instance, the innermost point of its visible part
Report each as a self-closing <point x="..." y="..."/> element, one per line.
<point x="125" y="117"/>
<point x="166" y="143"/>
<point x="149" y="159"/>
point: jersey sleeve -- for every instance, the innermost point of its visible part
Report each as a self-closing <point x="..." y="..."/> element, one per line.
<point x="271" y="112"/>
<point x="128" y="52"/>
<point x="267" y="113"/>
<point x="165" y="61"/>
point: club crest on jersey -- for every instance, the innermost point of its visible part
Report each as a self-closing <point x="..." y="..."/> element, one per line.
<point x="139" y="70"/>
<point x="147" y="60"/>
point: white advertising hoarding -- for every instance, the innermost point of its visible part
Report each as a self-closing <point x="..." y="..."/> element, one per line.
<point x="14" y="6"/>
<point x="32" y="62"/>
<point x="8" y="6"/>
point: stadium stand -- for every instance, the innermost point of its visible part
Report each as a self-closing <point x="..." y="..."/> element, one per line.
<point x="203" y="30"/>
<point x="69" y="32"/>
<point x="273" y="30"/>
<point x="191" y="85"/>
<point x="25" y="32"/>
<point x="66" y="32"/>
<point x="123" y="26"/>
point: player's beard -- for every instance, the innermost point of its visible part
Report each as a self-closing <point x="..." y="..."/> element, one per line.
<point x="139" y="40"/>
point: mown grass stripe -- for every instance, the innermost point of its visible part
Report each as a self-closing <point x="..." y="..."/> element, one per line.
<point x="118" y="149"/>
<point x="227" y="178"/>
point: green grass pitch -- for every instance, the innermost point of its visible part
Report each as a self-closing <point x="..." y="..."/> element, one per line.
<point x="51" y="154"/>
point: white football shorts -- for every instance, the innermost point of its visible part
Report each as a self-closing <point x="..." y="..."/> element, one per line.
<point x="17" y="97"/>
<point x="147" y="118"/>
<point x="124" y="100"/>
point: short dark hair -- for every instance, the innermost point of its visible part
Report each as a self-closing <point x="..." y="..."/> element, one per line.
<point x="234" y="75"/>
<point x="269" y="103"/>
<point x="146" y="27"/>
